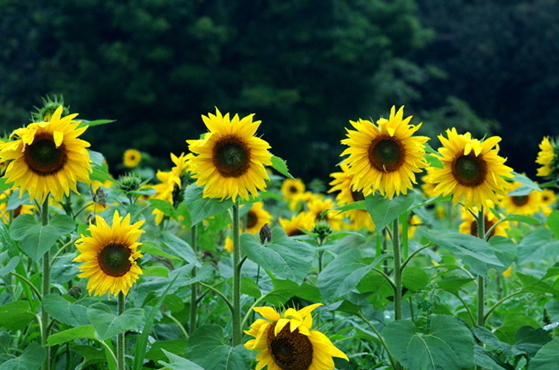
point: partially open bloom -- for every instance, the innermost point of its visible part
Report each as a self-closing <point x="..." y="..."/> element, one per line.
<point x="229" y="160"/>
<point x="286" y="341"/>
<point x="47" y="157"/>
<point x="385" y="156"/>
<point x="110" y="255"/>
<point x="473" y="172"/>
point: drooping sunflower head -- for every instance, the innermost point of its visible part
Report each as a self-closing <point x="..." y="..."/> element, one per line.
<point x="287" y="342"/>
<point x="527" y="204"/>
<point x="473" y="172"/>
<point x="47" y="157"/>
<point x="109" y="255"/>
<point x="256" y="218"/>
<point x="469" y="224"/>
<point x="548" y="157"/>
<point x="291" y="188"/>
<point x="229" y="160"/>
<point x="385" y="156"/>
<point x="131" y="158"/>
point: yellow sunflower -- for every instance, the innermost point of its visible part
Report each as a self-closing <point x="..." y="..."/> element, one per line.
<point x="131" y="158"/>
<point x="548" y="197"/>
<point x="522" y="204"/>
<point x="469" y="224"/>
<point x="303" y="220"/>
<point x="286" y="341"/>
<point x="229" y="159"/>
<point x="110" y="255"/>
<point x="290" y="188"/>
<point x="257" y="217"/>
<point x="385" y="156"/>
<point x="473" y="172"/>
<point x="47" y="157"/>
<point x="317" y="205"/>
<point x="547" y="157"/>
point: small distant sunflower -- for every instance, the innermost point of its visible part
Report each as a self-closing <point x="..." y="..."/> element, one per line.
<point x="473" y="172"/>
<point x="257" y="217"/>
<point x="469" y="224"/>
<point x="229" y="159"/>
<point x="548" y="197"/>
<point x="299" y="201"/>
<point x="47" y="157"/>
<point x="290" y="188"/>
<point x="110" y="255"/>
<point x="385" y="156"/>
<point x="131" y="158"/>
<point x="286" y="341"/>
<point x="332" y="217"/>
<point x="522" y="204"/>
<point x="413" y="223"/>
<point x="548" y="158"/>
<point x="292" y="227"/>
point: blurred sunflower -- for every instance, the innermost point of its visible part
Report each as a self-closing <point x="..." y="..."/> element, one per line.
<point x="548" y="197"/>
<point x="229" y="160"/>
<point x="317" y="205"/>
<point x="547" y="157"/>
<point x="131" y="158"/>
<point x="110" y="255"/>
<point x="47" y="157"/>
<point x="473" y="172"/>
<point x="286" y="341"/>
<point x="469" y="224"/>
<point x="522" y="204"/>
<point x="257" y="217"/>
<point x="386" y="156"/>
<point x="293" y="226"/>
<point x="291" y="188"/>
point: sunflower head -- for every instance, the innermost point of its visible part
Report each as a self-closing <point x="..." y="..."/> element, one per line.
<point x="291" y="188"/>
<point x="131" y="158"/>
<point x="385" y="156"/>
<point x="473" y="172"/>
<point x="109" y="255"/>
<point x="287" y="342"/>
<point x="47" y="157"/>
<point x="548" y="158"/>
<point x="527" y="204"/>
<point x="256" y="218"/>
<point x="229" y="160"/>
<point x="301" y="221"/>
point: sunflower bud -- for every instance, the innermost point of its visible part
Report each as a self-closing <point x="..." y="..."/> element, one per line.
<point x="44" y="113"/>
<point x="129" y="182"/>
<point x="322" y="229"/>
<point x="265" y="234"/>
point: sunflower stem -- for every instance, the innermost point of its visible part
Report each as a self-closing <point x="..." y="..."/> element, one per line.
<point x="45" y="318"/>
<point x="397" y="271"/>
<point x="237" y="332"/>
<point x="120" y="343"/>
<point x="395" y="364"/>
<point x="193" y="287"/>
<point x="481" y="279"/>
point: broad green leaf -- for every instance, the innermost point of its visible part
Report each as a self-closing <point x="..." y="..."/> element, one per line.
<point x="10" y="266"/>
<point x="38" y="240"/>
<point x="179" y="247"/>
<point x="281" y="166"/>
<point x="415" y="278"/>
<point x="284" y="257"/>
<point x="211" y="339"/>
<point x="69" y="313"/>
<point x="534" y="285"/>
<point x="487" y="337"/>
<point x="384" y="210"/>
<point x="538" y="246"/>
<point x="512" y="322"/>
<point x="483" y="358"/>
<point x="249" y="287"/>
<point x="173" y="302"/>
<point x="522" y="218"/>
<point x="149" y="247"/>
<point x="202" y="208"/>
<point x="63" y="224"/>
<point x="91" y="354"/>
<point x="64" y="268"/>
<point x="158" y="349"/>
<point x="20" y="226"/>
<point x="504" y="249"/>
<point x="360" y="205"/>
<point x="16" y="315"/>
<point x="178" y="363"/>
<point x="546" y="358"/>
<point x="155" y="271"/>
<point x="453" y="285"/>
<point x="553" y="223"/>
<point x="81" y="332"/>
<point x="448" y="345"/>
<point x="528" y="185"/>
<point x="164" y="206"/>
<point x="107" y="324"/>
<point x="529" y="340"/>
<point x="31" y="359"/>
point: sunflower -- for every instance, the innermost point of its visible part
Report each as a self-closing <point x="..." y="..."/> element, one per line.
<point x="386" y="156"/>
<point x="257" y="217"/>
<point x="469" y="224"/>
<point x="291" y="188"/>
<point x="303" y="220"/>
<point x="522" y="204"/>
<point x="473" y="172"/>
<point x="317" y="205"/>
<point x="131" y="158"/>
<point x="548" y="197"/>
<point x="286" y="341"/>
<point x="110" y="255"/>
<point x="47" y="157"/>
<point x="229" y="159"/>
<point x="547" y="157"/>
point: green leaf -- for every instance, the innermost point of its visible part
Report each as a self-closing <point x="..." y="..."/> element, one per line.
<point x="202" y="208"/>
<point x="60" y="309"/>
<point x="179" y="247"/>
<point x="107" y="324"/>
<point x="453" y="285"/>
<point x="527" y="188"/>
<point x="512" y="322"/>
<point x="384" y="210"/>
<point x="155" y="271"/>
<point x="284" y="257"/>
<point x="164" y="206"/>
<point x="448" y="345"/>
<point x="504" y="249"/>
<point x="522" y="218"/>
<point x="249" y="287"/>
<point x="158" y="349"/>
<point x="281" y="166"/>
<point x="534" y="285"/>
<point x="31" y="359"/>
<point x="178" y="363"/>
<point x="211" y="339"/>
<point x="360" y="205"/>
<point x="415" y="278"/>
<point x="546" y="358"/>
<point x="553" y="223"/>
<point x="37" y="240"/>
<point x="16" y="315"/>
<point x="20" y="226"/>
<point x="538" y="246"/>
<point x="149" y="247"/>
<point x="81" y="332"/>
<point x="63" y="224"/>
<point x="96" y="122"/>
<point x="483" y="358"/>
<point x="4" y="271"/>
<point x="91" y="355"/>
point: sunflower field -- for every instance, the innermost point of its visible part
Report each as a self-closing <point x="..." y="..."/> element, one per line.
<point x="420" y="253"/>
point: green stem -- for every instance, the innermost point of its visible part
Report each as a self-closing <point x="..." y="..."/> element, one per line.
<point x="29" y="283"/>
<point x="393" y="362"/>
<point x="120" y="343"/>
<point x="45" y="318"/>
<point x="193" y="287"/>
<point x="415" y="253"/>
<point x="386" y="277"/>
<point x="397" y="271"/>
<point x="481" y="279"/>
<point x="489" y="311"/>
<point x="221" y="295"/>
<point x="472" y="317"/>
<point x="237" y="332"/>
<point x="181" y="328"/>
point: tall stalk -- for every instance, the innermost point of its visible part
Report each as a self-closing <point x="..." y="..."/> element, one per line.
<point x="397" y="271"/>
<point x="45" y="318"/>
<point x="481" y="279"/>
<point x="121" y="340"/>
<point x="237" y="332"/>
<point x="193" y="287"/>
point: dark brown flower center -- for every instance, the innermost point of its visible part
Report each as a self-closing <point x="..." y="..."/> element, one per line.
<point x="114" y="259"/>
<point x="43" y="157"/>
<point x="386" y="153"/>
<point x="469" y="170"/>
<point x="231" y="156"/>
<point x="488" y="225"/>
<point x="520" y="200"/>
<point x="357" y="196"/>
<point x="293" y="189"/>
<point x="252" y="219"/>
<point x="290" y="350"/>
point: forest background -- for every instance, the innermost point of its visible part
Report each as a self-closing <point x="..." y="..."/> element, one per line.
<point x="304" y="67"/>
